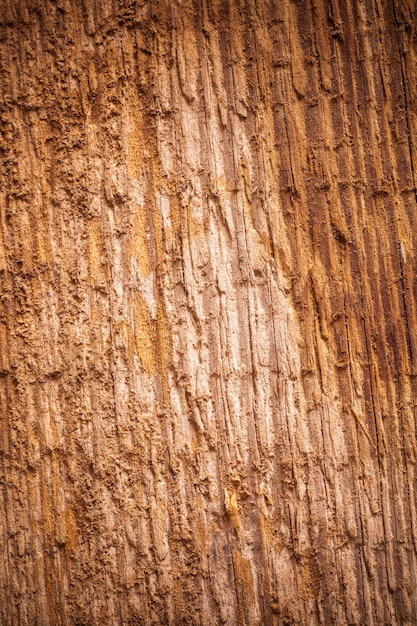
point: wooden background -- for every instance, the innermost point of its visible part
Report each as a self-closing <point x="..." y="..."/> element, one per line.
<point x="208" y="312"/>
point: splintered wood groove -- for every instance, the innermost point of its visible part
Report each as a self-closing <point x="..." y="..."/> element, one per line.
<point x="208" y="354"/>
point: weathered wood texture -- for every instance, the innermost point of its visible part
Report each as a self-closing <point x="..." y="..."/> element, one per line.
<point x="208" y="312"/>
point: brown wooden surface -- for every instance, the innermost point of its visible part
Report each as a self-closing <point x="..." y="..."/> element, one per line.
<point x="208" y="312"/>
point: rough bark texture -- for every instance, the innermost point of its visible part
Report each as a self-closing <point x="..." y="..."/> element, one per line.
<point x="208" y="310"/>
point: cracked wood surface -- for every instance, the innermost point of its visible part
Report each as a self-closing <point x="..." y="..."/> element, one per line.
<point x="208" y="309"/>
